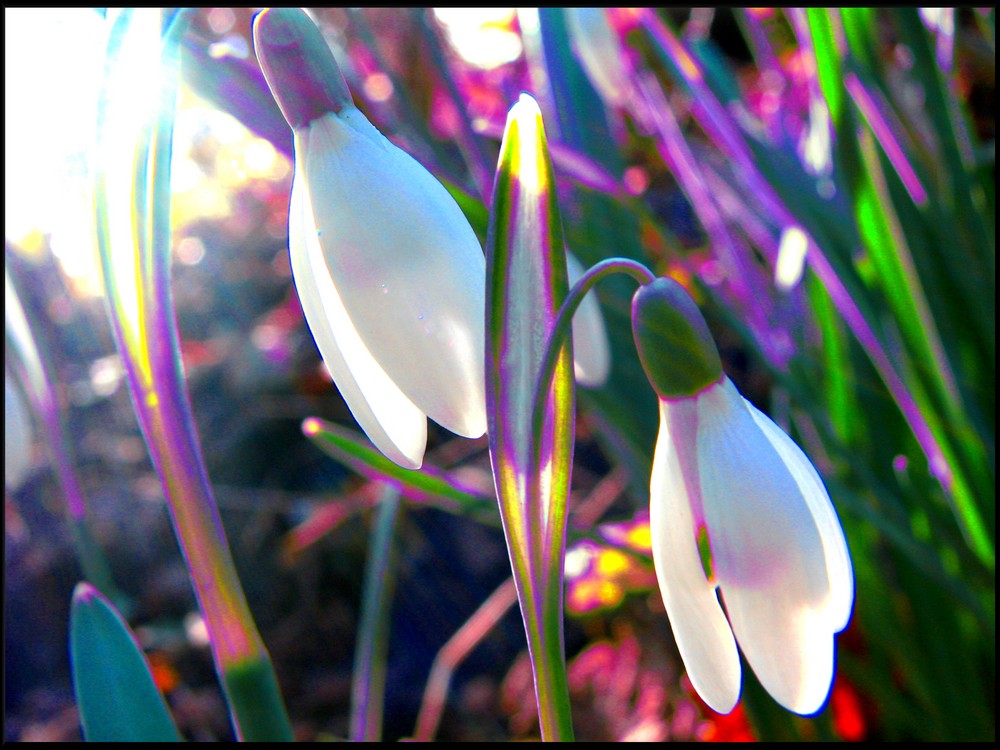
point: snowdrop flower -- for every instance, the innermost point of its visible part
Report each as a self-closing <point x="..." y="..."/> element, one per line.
<point x="736" y="506"/>
<point x="391" y="277"/>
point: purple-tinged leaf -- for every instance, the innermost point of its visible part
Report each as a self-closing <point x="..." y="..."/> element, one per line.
<point x="132" y="204"/>
<point x="526" y="284"/>
<point x="428" y="485"/>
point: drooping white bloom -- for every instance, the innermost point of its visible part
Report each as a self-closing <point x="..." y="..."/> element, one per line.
<point x="736" y="509"/>
<point x="392" y="283"/>
<point x="735" y="505"/>
<point x="391" y="277"/>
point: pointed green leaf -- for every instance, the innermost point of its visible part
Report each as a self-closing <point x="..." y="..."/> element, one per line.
<point x="425" y="486"/>
<point x="115" y="692"/>
<point x="526" y="284"/>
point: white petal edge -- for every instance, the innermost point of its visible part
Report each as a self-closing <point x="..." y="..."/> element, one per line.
<point x="700" y="628"/>
<point x="406" y="262"/>
<point x="838" y="559"/>
<point x="591" y="351"/>
<point x="769" y="555"/>
<point x="389" y="419"/>
<point x="789" y="647"/>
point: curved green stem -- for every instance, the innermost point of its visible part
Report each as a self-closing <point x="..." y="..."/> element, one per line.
<point x="564" y="325"/>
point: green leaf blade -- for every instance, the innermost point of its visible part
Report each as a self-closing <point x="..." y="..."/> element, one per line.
<point x="117" y="697"/>
<point x="427" y="486"/>
<point x="526" y="285"/>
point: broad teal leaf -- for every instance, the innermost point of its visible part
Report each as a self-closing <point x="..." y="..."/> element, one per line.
<point x="115" y="692"/>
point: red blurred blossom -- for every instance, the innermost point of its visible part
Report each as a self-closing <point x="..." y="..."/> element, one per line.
<point x="197" y="354"/>
<point x="165" y="675"/>
<point x="849" y="719"/>
<point x="851" y="713"/>
<point x="731" y="727"/>
<point x="716" y="727"/>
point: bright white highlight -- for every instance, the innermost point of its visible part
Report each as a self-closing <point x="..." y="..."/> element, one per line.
<point x="49" y="117"/>
<point x="530" y="176"/>
<point x="791" y="258"/>
<point x="481" y="36"/>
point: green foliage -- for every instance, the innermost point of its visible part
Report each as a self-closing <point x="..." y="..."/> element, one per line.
<point x="879" y="360"/>
<point x="256" y="701"/>
<point x="115" y="692"/>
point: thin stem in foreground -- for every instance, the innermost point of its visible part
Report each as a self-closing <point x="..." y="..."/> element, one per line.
<point x="563" y="326"/>
<point x="368" y="689"/>
<point x="454" y="653"/>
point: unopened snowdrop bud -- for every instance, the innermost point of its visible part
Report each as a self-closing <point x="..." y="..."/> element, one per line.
<point x="675" y="347"/>
<point x="391" y="277"/>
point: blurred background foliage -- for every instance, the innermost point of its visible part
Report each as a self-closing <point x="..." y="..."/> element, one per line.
<point x="822" y="181"/>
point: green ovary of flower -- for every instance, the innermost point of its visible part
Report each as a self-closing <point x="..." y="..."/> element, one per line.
<point x="675" y="346"/>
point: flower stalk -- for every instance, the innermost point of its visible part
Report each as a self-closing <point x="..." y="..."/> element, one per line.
<point x="132" y="203"/>
<point x="563" y="326"/>
<point x="368" y="683"/>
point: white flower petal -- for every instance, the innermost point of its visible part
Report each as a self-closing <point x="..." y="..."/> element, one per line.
<point x="703" y="635"/>
<point x="838" y="560"/>
<point x="768" y="553"/>
<point x="409" y="269"/>
<point x="789" y="646"/>
<point x="391" y="421"/>
<point x="591" y="351"/>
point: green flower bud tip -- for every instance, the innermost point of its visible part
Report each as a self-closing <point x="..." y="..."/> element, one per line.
<point x="298" y="65"/>
<point x="675" y="347"/>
